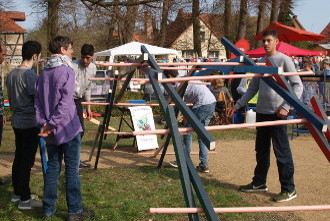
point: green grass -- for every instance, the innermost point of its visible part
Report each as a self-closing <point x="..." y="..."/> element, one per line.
<point x="127" y="194"/>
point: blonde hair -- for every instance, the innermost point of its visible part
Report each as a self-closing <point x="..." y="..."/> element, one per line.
<point x="218" y="83"/>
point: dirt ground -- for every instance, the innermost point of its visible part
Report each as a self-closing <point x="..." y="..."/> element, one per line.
<point x="233" y="164"/>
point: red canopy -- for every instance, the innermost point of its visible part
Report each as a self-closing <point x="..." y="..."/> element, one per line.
<point x="242" y="45"/>
<point x="290" y="34"/>
<point x="285" y="49"/>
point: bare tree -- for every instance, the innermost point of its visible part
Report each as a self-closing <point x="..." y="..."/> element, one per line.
<point x="227" y="17"/>
<point x="108" y="4"/>
<point x="6" y="5"/>
<point x="53" y="18"/>
<point x="130" y="16"/>
<point x="162" y="33"/>
<point x="196" y="27"/>
<point x="261" y="18"/>
<point x="243" y="16"/>
<point x="274" y="10"/>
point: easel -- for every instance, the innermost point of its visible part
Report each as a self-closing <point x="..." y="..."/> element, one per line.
<point x="103" y="127"/>
<point x="125" y="111"/>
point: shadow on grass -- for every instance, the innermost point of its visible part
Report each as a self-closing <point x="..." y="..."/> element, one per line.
<point x="206" y="179"/>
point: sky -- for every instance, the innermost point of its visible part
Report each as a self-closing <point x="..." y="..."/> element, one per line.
<point x="314" y="15"/>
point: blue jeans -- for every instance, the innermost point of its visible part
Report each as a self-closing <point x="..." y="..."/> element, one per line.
<point x="277" y="135"/>
<point x="70" y="152"/>
<point x="203" y="113"/>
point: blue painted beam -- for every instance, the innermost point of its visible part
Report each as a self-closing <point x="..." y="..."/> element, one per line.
<point x="177" y="143"/>
<point x="242" y="69"/>
<point x="297" y="104"/>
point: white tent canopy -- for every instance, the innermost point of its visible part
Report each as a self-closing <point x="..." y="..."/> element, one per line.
<point x="134" y="48"/>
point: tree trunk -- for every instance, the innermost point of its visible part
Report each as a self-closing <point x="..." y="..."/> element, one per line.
<point x="243" y="16"/>
<point x="129" y="25"/>
<point x="227" y="17"/>
<point x="274" y="10"/>
<point x="162" y="33"/>
<point x="260" y="21"/>
<point x="112" y="24"/>
<point x="52" y="19"/>
<point x="196" y="27"/>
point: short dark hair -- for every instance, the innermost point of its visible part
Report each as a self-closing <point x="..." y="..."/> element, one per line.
<point x="30" y="48"/>
<point x="271" y="33"/>
<point x="87" y="49"/>
<point x="171" y="73"/>
<point x="59" y="41"/>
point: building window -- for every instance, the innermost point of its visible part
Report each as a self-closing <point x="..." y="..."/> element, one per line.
<point x="213" y="54"/>
<point x="203" y="35"/>
<point x="188" y="53"/>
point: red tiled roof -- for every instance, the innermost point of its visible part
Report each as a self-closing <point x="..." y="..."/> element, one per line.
<point x="213" y="22"/>
<point x="16" y="16"/>
<point x="176" y="28"/>
<point x="7" y="21"/>
<point x="326" y="32"/>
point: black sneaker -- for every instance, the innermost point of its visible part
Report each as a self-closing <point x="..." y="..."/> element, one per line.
<point x="252" y="188"/>
<point x="29" y="204"/>
<point x="202" y="168"/>
<point x="285" y="196"/>
<point x="4" y="181"/>
<point x="84" y="165"/>
<point x="85" y="214"/>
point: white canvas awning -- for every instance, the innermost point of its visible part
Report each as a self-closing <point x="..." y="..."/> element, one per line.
<point x="325" y="46"/>
<point x="134" y="48"/>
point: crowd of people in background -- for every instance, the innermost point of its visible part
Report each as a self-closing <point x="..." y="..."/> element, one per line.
<point x="317" y="64"/>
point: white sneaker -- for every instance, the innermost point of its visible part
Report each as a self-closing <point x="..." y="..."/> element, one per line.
<point x="29" y="204"/>
<point x="174" y="164"/>
<point x="14" y="198"/>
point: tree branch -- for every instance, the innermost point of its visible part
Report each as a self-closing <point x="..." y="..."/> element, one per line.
<point x="111" y="4"/>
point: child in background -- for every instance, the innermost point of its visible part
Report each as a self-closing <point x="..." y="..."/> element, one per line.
<point x="223" y="97"/>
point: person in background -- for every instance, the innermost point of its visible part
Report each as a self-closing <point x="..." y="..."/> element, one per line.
<point x="308" y="66"/>
<point x="84" y="69"/>
<point x="223" y="98"/>
<point x="217" y="86"/>
<point x="20" y="84"/>
<point x="271" y="106"/>
<point x="326" y="67"/>
<point x="296" y="62"/>
<point x="3" y="51"/>
<point x="203" y="107"/>
<point x="56" y="114"/>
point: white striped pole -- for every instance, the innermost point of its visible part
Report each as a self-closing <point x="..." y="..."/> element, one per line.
<point x="212" y="128"/>
<point x="243" y="209"/>
<point x="106" y="64"/>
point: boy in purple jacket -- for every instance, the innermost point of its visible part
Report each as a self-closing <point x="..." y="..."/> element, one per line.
<point x="57" y="116"/>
